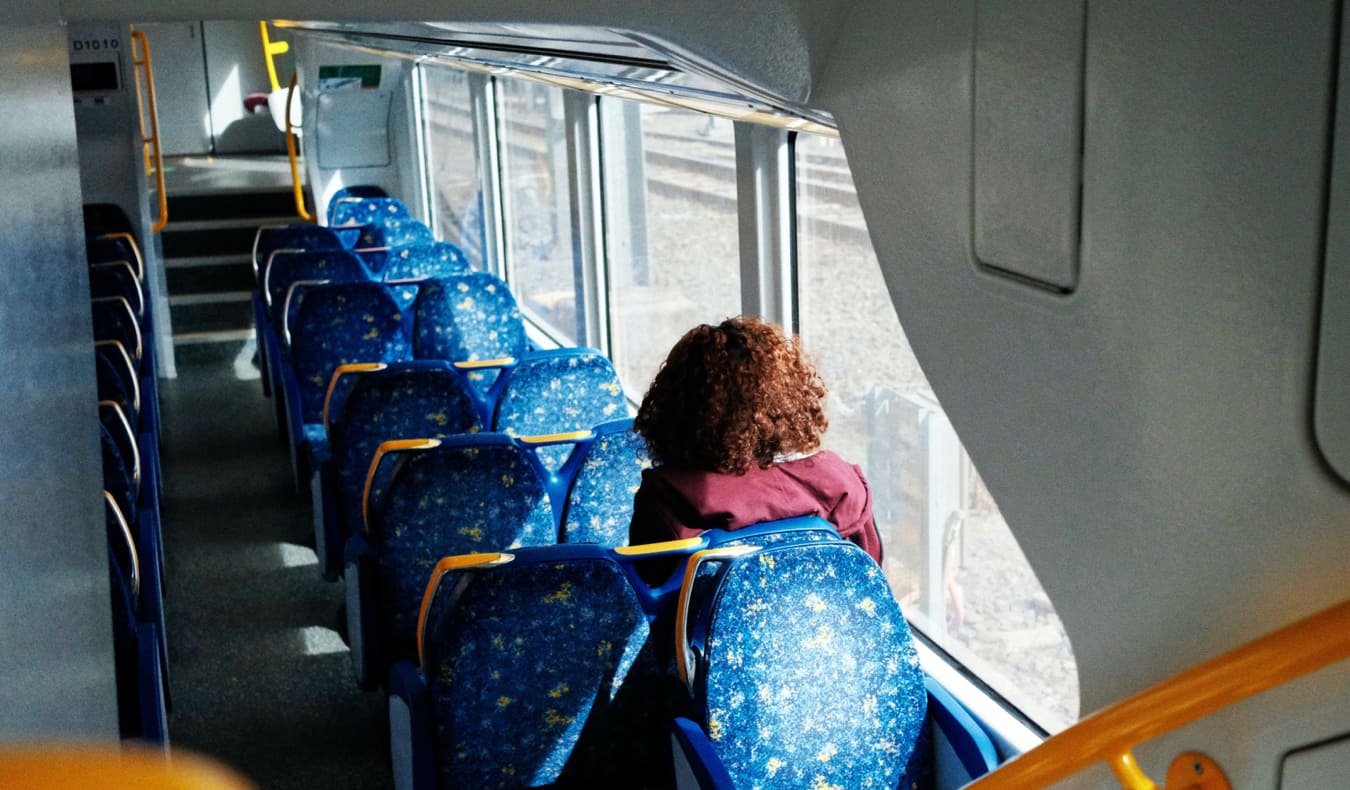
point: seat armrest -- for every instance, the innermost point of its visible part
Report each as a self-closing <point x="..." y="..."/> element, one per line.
<point x="410" y="729"/>
<point x="962" y="751"/>
<point x="327" y="529"/>
<point x="697" y="766"/>
<point x="364" y="632"/>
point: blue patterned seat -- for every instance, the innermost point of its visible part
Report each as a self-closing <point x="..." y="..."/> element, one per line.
<point x="600" y="498"/>
<point x="117" y="278"/>
<point x="332" y="325"/>
<point x="303" y="236"/>
<point x="800" y="668"/>
<point x="470" y="317"/>
<point x="114" y="319"/>
<point x="534" y="669"/>
<point x="288" y="267"/>
<point x="367" y="405"/>
<point x="427" y="499"/>
<point x="353" y="192"/>
<point x="401" y="232"/>
<point x="559" y="391"/>
<point x="356" y="210"/>
<point x="423" y="261"/>
<point x="137" y="638"/>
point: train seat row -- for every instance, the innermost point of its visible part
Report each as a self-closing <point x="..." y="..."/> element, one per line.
<point x="777" y="658"/>
<point x="475" y="496"/>
<point x="127" y="408"/>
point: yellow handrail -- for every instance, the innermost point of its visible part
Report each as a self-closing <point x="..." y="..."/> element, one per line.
<point x="1110" y="735"/>
<point x="152" y="141"/>
<point x="290" y="152"/>
<point x="270" y="50"/>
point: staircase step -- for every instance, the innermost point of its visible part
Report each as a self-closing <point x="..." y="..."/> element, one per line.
<point x="231" y="273"/>
<point x="234" y="240"/>
<point x="233" y="204"/>
<point x="193" y="314"/>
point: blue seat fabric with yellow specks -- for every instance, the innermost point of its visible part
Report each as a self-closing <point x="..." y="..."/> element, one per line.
<point x="303" y="236"/>
<point x="365" y="211"/>
<point x="426" y="400"/>
<point x="600" y="502"/>
<point x="808" y="676"/>
<point x="341" y="324"/>
<point x="538" y="673"/>
<point x="344" y="195"/>
<point x="423" y="261"/>
<point x="559" y="391"/>
<point x="286" y="268"/>
<point x="465" y="317"/>
<point x="475" y="493"/>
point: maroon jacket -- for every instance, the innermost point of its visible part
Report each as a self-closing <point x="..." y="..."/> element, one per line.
<point x="680" y="503"/>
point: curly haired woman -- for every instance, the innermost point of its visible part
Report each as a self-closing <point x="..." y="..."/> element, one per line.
<point x="733" y="422"/>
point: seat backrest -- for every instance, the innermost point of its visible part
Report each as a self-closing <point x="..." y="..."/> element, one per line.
<point x="117" y="379"/>
<point x="367" y="405"/>
<point x="538" y="660"/>
<point x="303" y="236"/>
<point x="118" y="477"/>
<point x="457" y="495"/>
<point x="117" y="278"/>
<point x="353" y="210"/>
<point x="400" y="232"/>
<point x="115" y="320"/>
<point x="341" y="324"/>
<point x="470" y="316"/>
<point x="287" y="267"/>
<point x="423" y="261"/>
<point x="559" y="391"/>
<point x="801" y="667"/>
<point x="104" y="249"/>
<point x="600" y="499"/>
<point x="353" y="192"/>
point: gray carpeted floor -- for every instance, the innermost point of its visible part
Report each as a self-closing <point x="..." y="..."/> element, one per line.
<point x="261" y="679"/>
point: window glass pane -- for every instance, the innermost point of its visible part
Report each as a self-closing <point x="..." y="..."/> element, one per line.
<point x="452" y="156"/>
<point x="950" y="557"/>
<point x="537" y="203"/>
<point x="671" y="229"/>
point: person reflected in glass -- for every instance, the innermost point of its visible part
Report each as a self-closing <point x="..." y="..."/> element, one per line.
<point x="733" y="423"/>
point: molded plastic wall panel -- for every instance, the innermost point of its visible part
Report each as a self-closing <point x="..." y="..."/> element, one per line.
<point x="360" y="134"/>
<point x="353" y="129"/>
<point x="1028" y="137"/>
<point x="1317" y="767"/>
<point x="1331" y="411"/>
<point x="56" y="652"/>
<point x="1147" y="437"/>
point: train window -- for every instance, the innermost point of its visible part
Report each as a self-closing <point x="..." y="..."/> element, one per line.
<point x="950" y="557"/>
<point x="671" y="227"/>
<point x="455" y="188"/>
<point x="537" y="204"/>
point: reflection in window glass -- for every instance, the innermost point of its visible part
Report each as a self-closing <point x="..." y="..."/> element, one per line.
<point x="671" y="230"/>
<point x="951" y="559"/>
<point x="537" y="203"/>
<point x="455" y="192"/>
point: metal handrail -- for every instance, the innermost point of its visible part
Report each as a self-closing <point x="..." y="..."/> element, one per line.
<point x="1110" y="735"/>
<point x="152" y="141"/>
<point x="290" y="152"/>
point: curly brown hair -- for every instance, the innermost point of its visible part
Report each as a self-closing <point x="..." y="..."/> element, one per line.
<point x="732" y="395"/>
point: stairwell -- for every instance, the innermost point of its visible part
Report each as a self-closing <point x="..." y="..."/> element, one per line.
<point x="208" y="248"/>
